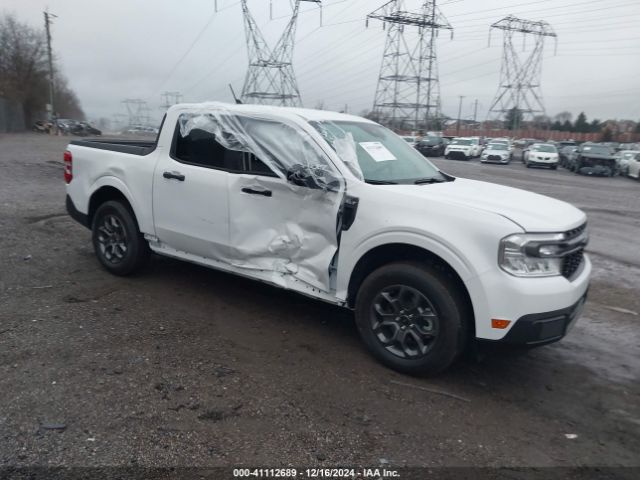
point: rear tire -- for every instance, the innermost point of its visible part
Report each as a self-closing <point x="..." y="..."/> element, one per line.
<point x="411" y="318"/>
<point x="117" y="240"/>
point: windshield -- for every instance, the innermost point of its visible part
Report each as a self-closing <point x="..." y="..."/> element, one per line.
<point x="596" y="149"/>
<point x="460" y="141"/>
<point x="544" y="148"/>
<point x="496" y="146"/>
<point x="382" y="156"/>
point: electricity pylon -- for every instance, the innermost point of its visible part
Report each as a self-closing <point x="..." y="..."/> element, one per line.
<point x="270" y="78"/>
<point x="170" y="99"/>
<point x="519" y="91"/>
<point x="137" y="111"/>
<point x="408" y="91"/>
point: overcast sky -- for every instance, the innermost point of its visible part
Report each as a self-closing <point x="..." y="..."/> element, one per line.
<point x="117" y="49"/>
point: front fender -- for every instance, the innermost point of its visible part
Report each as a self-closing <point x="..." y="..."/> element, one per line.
<point x="348" y="260"/>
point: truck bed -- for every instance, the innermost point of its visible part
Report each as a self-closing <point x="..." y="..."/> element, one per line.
<point x="132" y="147"/>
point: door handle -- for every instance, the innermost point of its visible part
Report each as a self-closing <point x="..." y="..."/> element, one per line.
<point x="174" y="175"/>
<point x="251" y="191"/>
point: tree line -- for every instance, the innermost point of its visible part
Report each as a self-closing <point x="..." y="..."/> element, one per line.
<point x="562" y="122"/>
<point x="24" y="73"/>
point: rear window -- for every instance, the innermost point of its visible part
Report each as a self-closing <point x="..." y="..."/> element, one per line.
<point x="200" y="147"/>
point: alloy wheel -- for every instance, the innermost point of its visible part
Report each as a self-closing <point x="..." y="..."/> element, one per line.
<point x="404" y="321"/>
<point x="112" y="239"/>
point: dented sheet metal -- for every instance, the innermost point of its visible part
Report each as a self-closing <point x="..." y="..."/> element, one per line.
<point x="291" y="232"/>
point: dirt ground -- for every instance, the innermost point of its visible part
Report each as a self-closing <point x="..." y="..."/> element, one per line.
<point x="184" y="366"/>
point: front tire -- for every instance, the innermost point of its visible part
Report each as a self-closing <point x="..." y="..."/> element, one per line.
<point x="411" y="318"/>
<point x="117" y="241"/>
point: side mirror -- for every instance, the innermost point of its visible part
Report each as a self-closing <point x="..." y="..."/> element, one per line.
<point x="316" y="178"/>
<point x="301" y="176"/>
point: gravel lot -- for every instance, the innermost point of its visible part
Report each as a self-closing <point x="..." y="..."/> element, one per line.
<point x="184" y="366"/>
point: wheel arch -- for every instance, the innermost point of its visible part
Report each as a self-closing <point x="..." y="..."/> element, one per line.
<point x="393" y="252"/>
<point x="104" y="194"/>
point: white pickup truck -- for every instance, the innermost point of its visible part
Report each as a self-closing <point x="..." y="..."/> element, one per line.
<point x="341" y="209"/>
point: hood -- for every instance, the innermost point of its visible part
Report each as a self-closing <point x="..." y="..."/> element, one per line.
<point x="495" y="152"/>
<point x="531" y="211"/>
<point x="453" y="147"/>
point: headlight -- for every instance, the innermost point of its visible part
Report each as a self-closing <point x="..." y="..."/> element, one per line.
<point x="532" y="255"/>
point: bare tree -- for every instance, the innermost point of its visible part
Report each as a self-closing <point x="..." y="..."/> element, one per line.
<point x="24" y="72"/>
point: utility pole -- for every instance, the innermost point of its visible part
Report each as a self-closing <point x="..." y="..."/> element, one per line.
<point x="408" y="92"/>
<point x="475" y="111"/>
<point x="459" y="114"/>
<point x="47" y="23"/>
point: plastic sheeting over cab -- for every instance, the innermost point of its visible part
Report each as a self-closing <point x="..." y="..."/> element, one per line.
<point x="284" y="211"/>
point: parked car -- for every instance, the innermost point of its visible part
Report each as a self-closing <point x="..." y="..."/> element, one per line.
<point x="411" y="140"/>
<point x="90" y="129"/>
<point x="496" y="153"/>
<point x="542" y="155"/>
<point x="523" y="145"/>
<point x="566" y="143"/>
<point x="477" y="149"/>
<point x="622" y="160"/>
<point x="564" y="155"/>
<point x="142" y="130"/>
<point x="630" y="146"/>
<point x="67" y="126"/>
<point x="427" y="261"/>
<point x="460" y="149"/>
<point x="633" y="167"/>
<point x="432" y="146"/>
<point x="41" y="126"/>
<point x="594" y="159"/>
<point x="505" y="141"/>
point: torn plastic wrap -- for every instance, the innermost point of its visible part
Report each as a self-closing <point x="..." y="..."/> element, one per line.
<point x="292" y="234"/>
<point x="343" y="143"/>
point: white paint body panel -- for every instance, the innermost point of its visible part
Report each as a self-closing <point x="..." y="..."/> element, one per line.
<point x="462" y="222"/>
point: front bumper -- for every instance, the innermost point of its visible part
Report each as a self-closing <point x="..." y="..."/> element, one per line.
<point x="543" y="328"/>
<point x="498" y="295"/>
<point x="457" y="154"/>
<point x="545" y="163"/>
<point x="494" y="159"/>
<point x="430" y="151"/>
<point x="597" y="171"/>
